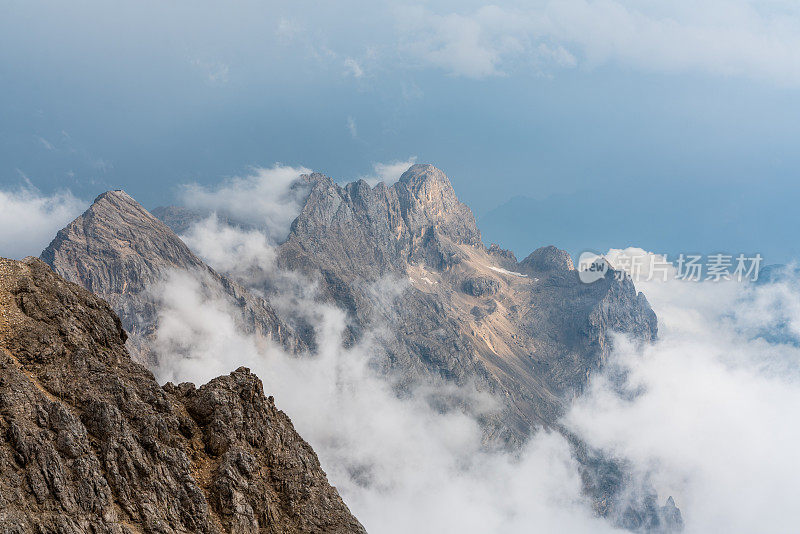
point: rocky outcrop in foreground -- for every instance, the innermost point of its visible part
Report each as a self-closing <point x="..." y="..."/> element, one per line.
<point x="89" y="442"/>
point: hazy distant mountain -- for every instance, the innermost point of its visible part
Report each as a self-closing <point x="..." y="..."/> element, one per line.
<point x="91" y="443"/>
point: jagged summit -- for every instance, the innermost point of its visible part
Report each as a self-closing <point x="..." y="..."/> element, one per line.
<point x="530" y="329"/>
<point x="422" y="174"/>
<point x="429" y="200"/>
<point x="370" y="231"/>
<point x="89" y="442"/>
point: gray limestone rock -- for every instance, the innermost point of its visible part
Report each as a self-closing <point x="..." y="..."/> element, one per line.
<point x="547" y="259"/>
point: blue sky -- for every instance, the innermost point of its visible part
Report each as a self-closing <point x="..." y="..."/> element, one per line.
<point x="671" y="126"/>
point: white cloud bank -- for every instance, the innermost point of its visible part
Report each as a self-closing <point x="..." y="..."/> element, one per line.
<point x="400" y="465"/>
<point x="267" y="198"/>
<point x="30" y="220"/>
<point x="707" y="414"/>
<point x="715" y="419"/>
<point x="746" y="38"/>
<point x="388" y="173"/>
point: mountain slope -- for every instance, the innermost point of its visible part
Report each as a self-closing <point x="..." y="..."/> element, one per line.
<point x="407" y="264"/>
<point x="529" y="332"/>
<point x="407" y="260"/>
<point x="119" y="251"/>
<point x="91" y="443"/>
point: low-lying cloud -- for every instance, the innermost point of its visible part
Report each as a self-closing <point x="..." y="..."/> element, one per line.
<point x="29" y="220"/>
<point x="706" y="414"/>
<point x="709" y="412"/>
<point x="267" y="198"/>
<point x="388" y="173"/>
<point x="243" y="254"/>
<point x="399" y="464"/>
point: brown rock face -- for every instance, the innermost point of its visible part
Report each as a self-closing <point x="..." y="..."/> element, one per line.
<point x="89" y="442"/>
<point x="119" y="251"/>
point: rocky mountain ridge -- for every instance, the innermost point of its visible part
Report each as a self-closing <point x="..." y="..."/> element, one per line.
<point x="91" y="443"/>
<point x="119" y="251"/>
<point x="531" y="332"/>
<point x="407" y="261"/>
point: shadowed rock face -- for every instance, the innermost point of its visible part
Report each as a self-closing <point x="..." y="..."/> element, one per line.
<point x="89" y="442"/>
<point x="120" y="252"/>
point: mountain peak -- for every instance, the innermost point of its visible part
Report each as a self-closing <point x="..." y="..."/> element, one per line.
<point x="427" y="199"/>
<point x="119" y="251"/>
<point x="116" y="226"/>
<point x="116" y="207"/>
<point x="549" y="258"/>
<point x="425" y="175"/>
<point x="115" y="195"/>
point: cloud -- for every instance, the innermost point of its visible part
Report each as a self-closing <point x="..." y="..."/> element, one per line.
<point x="411" y="91"/>
<point x="351" y="127"/>
<point x="102" y="165"/>
<point x="237" y="252"/>
<point x="388" y="173"/>
<point x="708" y="413"/>
<point x="216" y="72"/>
<point x="269" y="199"/>
<point x="401" y="465"/>
<point x="45" y="143"/>
<point x="739" y="38"/>
<point x="353" y="67"/>
<point x="30" y="220"/>
<point x="287" y="30"/>
<point x="470" y="45"/>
